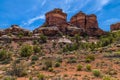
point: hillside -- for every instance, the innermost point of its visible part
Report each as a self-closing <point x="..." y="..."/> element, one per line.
<point x="67" y="58"/>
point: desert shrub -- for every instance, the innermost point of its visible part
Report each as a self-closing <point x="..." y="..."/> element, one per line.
<point x="34" y="58"/>
<point x="41" y="77"/>
<point x="48" y="64"/>
<point x="59" y="59"/>
<point x="77" y="38"/>
<point x="36" y="49"/>
<point x="30" y="78"/>
<point x="4" y="55"/>
<point x="32" y="63"/>
<point x="96" y="73"/>
<point x="18" y="70"/>
<point x="88" y="67"/>
<point x="72" y="60"/>
<point x="79" y="67"/>
<point x="9" y="78"/>
<point x="57" y="64"/>
<point x="87" y="60"/>
<point x="115" y="54"/>
<point x="26" y="51"/>
<point x="43" y="38"/>
<point x="70" y="47"/>
<point x="50" y="69"/>
<point x="106" y="78"/>
<point x="35" y="42"/>
<point x="90" y="56"/>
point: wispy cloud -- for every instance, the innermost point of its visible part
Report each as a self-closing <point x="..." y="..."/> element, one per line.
<point x="79" y="4"/>
<point x="99" y="4"/>
<point x="35" y="18"/>
<point x="43" y="3"/>
<point x="111" y="21"/>
<point x="32" y="20"/>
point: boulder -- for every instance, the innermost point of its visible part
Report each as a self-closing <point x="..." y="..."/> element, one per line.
<point x="48" y="31"/>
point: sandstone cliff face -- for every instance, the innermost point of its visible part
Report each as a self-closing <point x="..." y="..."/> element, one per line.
<point x="16" y="30"/>
<point x="79" y="20"/>
<point x="56" y="17"/>
<point x="79" y="24"/>
<point x="56" y="21"/>
<point x="88" y="23"/>
<point x="115" y="27"/>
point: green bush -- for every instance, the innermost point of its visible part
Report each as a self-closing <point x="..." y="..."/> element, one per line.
<point x="26" y="51"/>
<point x="43" y="38"/>
<point x="50" y="69"/>
<point x="106" y="78"/>
<point x="35" y="42"/>
<point x="87" y="60"/>
<point x="88" y="67"/>
<point x="57" y="64"/>
<point x="41" y="77"/>
<point x="70" y="47"/>
<point x="19" y="70"/>
<point x="9" y="78"/>
<point x="79" y="67"/>
<point x="4" y="55"/>
<point x="36" y="49"/>
<point x="34" y="58"/>
<point x="90" y="56"/>
<point x="59" y="59"/>
<point x="96" y="73"/>
<point x="72" y="60"/>
<point x="48" y="64"/>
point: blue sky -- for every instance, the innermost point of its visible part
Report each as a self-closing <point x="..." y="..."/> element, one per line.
<point x="29" y="14"/>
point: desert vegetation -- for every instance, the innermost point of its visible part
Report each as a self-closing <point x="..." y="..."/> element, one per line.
<point x="47" y="59"/>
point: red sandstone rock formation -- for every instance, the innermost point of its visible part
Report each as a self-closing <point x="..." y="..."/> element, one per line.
<point x="79" y="20"/>
<point x="79" y="24"/>
<point x="56" y="17"/>
<point x="88" y="23"/>
<point x="115" y="27"/>
<point x="16" y="30"/>
<point x="56" y="21"/>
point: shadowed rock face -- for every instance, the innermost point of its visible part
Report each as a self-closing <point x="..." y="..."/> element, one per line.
<point x="48" y="31"/>
<point x="115" y="27"/>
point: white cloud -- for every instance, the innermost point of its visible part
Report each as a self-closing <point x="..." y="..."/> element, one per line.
<point x="35" y="18"/>
<point x="111" y="21"/>
<point x="99" y="4"/>
<point x="79" y="4"/>
<point x="32" y="20"/>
